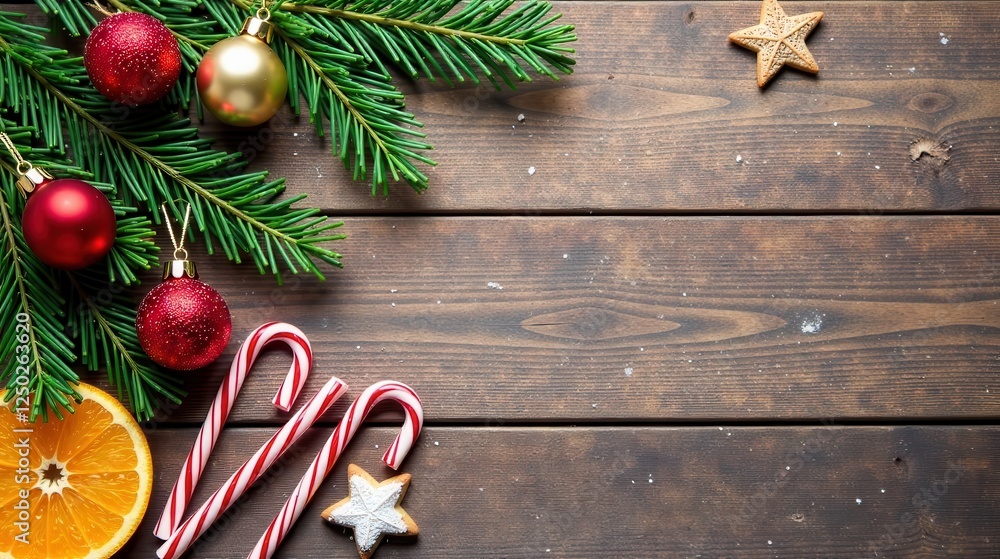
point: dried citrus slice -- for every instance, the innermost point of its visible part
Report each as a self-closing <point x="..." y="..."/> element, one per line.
<point x="75" y="488"/>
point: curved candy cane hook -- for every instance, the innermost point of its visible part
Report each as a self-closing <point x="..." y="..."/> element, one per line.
<point x="334" y="447"/>
<point x="289" y="390"/>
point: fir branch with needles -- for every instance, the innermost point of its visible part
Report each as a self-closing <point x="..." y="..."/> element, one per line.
<point x="155" y="156"/>
<point x="93" y="302"/>
<point x="338" y="54"/>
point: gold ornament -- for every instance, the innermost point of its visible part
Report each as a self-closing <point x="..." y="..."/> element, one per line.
<point x="240" y="79"/>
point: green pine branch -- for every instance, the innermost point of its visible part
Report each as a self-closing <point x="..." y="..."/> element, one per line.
<point x="158" y="157"/>
<point x="94" y="303"/>
<point x="33" y="344"/>
<point x="103" y="320"/>
<point x="337" y="54"/>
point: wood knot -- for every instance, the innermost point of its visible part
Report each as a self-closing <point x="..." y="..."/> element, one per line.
<point x="689" y="17"/>
<point x="930" y="103"/>
<point x="929" y="151"/>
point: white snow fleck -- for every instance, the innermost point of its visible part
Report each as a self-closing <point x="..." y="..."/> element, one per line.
<point x="877" y="167"/>
<point x="913" y="69"/>
<point x="565" y="256"/>
<point x="882" y="490"/>
<point x="739" y="159"/>
<point x="858" y="501"/>
<point x="769" y="542"/>
<point x="393" y="290"/>
<point x="628" y="371"/>
<point x="944" y="40"/>
<point x="494" y="285"/>
<point x="531" y="171"/>
<point x="812" y="325"/>
<point x="295" y="134"/>
<point x="835" y="123"/>
<point x="437" y="443"/>
<point x="520" y="117"/>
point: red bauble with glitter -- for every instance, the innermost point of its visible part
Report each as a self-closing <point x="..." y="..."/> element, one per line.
<point x="132" y="58"/>
<point x="183" y="323"/>
<point x="68" y="224"/>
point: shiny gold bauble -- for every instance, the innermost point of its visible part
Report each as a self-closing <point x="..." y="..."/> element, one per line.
<point x="242" y="81"/>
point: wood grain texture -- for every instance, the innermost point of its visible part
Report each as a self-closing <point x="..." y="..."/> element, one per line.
<point x="661" y="105"/>
<point x="645" y="319"/>
<point x="786" y="492"/>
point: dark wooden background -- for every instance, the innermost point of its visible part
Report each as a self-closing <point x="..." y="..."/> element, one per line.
<point x="733" y="323"/>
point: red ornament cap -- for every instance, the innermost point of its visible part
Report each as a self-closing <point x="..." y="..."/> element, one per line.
<point x="132" y="58"/>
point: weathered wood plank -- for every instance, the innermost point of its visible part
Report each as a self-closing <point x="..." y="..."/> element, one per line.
<point x="662" y="105"/>
<point x="788" y="492"/>
<point x="643" y="318"/>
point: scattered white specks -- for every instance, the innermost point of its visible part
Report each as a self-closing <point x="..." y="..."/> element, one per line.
<point x="565" y="256"/>
<point x="531" y="171"/>
<point x="913" y="70"/>
<point x="739" y="159"/>
<point x="877" y="167"/>
<point x="439" y="302"/>
<point x="684" y="294"/>
<point x="480" y="489"/>
<point x="628" y="371"/>
<point x="393" y="290"/>
<point x="494" y="285"/>
<point x="295" y="153"/>
<point x="838" y="154"/>
<point x="944" y="40"/>
<point x="295" y="134"/>
<point x="358" y="347"/>
<point x="593" y="406"/>
<point x="787" y="468"/>
<point x="729" y="434"/>
<point x="650" y="480"/>
<point x="835" y="123"/>
<point x="769" y="542"/>
<point x="394" y="304"/>
<point x="520" y="117"/>
<point x="376" y="446"/>
<point x="812" y="325"/>
<point x="858" y="501"/>
<point x="882" y="490"/>
<point x="437" y="443"/>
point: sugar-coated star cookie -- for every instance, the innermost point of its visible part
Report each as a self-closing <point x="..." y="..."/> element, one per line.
<point x="372" y="509"/>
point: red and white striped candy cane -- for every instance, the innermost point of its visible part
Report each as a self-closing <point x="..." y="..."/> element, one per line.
<point x="327" y="457"/>
<point x="287" y="393"/>
<point x="251" y="470"/>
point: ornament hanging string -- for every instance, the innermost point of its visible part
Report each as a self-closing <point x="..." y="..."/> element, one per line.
<point x="178" y="247"/>
<point x="23" y="166"/>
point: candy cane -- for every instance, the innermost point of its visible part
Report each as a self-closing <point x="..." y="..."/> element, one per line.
<point x="327" y="457"/>
<point x="289" y="390"/>
<point x="251" y="470"/>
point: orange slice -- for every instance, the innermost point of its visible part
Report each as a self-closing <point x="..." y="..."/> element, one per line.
<point x="75" y="488"/>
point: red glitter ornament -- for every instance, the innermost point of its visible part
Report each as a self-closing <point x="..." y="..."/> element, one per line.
<point x="183" y="323"/>
<point x="68" y="224"/>
<point x="132" y="58"/>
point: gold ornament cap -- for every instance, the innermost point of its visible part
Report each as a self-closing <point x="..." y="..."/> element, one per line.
<point x="28" y="176"/>
<point x="177" y="269"/>
<point x="259" y="25"/>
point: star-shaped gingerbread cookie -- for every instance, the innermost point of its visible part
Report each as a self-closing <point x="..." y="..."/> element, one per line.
<point x="372" y="509"/>
<point x="779" y="39"/>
